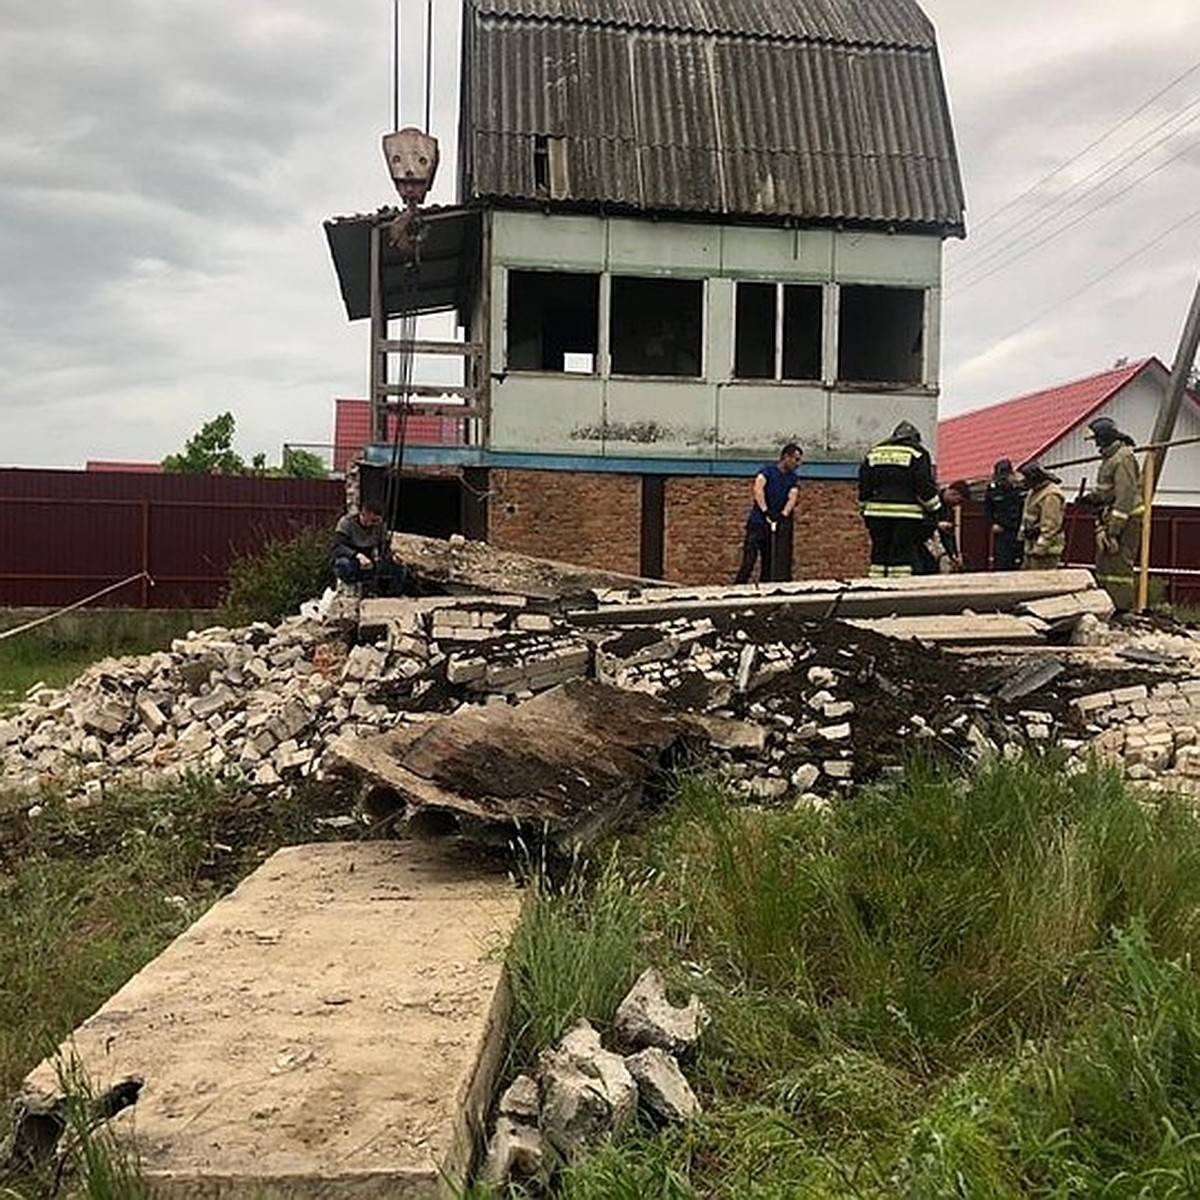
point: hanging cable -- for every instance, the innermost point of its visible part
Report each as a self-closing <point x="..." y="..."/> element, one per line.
<point x="958" y="289"/>
<point x="1058" y="304"/>
<point x="395" y="64"/>
<point x="991" y="249"/>
<point x="428" y="62"/>
<point x="1141" y="108"/>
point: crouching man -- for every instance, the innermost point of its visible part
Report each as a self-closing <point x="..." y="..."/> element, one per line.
<point x="361" y="557"/>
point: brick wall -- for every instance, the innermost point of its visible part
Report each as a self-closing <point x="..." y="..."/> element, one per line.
<point x="595" y="520"/>
<point x="706" y="520"/>
<point x="590" y="519"/>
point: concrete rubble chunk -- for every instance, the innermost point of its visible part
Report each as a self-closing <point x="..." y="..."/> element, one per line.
<point x="516" y="1149"/>
<point x="662" y="1088"/>
<point x="647" y="1018"/>
<point x="520" y="1100"/>
<point x="587" y="1092"/>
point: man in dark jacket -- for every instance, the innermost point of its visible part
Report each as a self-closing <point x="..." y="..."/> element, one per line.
<point x="361" y="556"/>
<point x="1003" y="503"/>
<point x="896" y="493"/>
<point x="938" y="551"/>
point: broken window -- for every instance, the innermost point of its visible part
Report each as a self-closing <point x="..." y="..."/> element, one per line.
<point x="777" y="331"/>
<point x="656" y="326"/>
<point x="881" y="331"/>
<point x="553" y="321"/>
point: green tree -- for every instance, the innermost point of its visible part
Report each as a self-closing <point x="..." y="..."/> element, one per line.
<point x="209" y="451"/>
<point x="303" y="464"/>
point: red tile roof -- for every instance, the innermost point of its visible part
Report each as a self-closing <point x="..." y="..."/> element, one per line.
<point x="1021" y="429"/>
<point x="352" y="431"/>
<point x="130" y="468"/>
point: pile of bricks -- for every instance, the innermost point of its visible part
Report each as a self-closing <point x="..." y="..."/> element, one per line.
<point x="793" y="711"/>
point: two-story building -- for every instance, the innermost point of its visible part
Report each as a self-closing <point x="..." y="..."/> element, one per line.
<point x="688" y="233"/>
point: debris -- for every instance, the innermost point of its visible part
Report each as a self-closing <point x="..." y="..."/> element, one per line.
<point x="647" y="1018"/>
<point x="661" y="1087"/>
<point x="1031" y="676"/>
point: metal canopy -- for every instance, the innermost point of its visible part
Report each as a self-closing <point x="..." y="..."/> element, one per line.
<point x="448" y="256"/>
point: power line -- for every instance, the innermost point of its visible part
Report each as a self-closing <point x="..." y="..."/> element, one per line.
<point x="1154" y="241"/>
<point x="999" y="245"/>
<point x="956" y="289"/>
<point x="987" y="220"/>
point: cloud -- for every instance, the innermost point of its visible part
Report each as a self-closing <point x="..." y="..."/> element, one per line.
<point x="165" y="169"/>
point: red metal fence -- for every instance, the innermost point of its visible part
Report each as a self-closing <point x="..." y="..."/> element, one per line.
<point x="1174" y="548"/>
<point x="67" y="534"/>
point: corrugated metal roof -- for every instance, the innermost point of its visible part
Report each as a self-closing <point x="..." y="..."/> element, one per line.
<point x="866" y="22"/>
<point x="825" y="110"/>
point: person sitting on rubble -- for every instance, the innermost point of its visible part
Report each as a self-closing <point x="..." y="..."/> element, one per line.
<point x="939" y="553"/>
<point x="1003" y="503"/>
<point x="1042" y="519"/>
<point x="361" y="559"/>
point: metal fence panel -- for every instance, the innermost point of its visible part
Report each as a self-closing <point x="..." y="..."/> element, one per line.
<point x="68" y="534"/>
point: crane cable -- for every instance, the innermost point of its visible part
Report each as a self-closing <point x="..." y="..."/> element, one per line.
<point x="410" y="275"/>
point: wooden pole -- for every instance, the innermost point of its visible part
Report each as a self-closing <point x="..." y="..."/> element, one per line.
<point x="1168" y="410"/>
<point x="1143" y="588"/>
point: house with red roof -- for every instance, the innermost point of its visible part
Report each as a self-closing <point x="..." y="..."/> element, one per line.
<point x="1049" y="425"/>
<point x="352" y="432"/>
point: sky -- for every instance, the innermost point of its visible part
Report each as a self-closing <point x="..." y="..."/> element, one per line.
<point x="166" y="166"/>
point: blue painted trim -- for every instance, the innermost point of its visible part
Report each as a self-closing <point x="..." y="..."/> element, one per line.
<point x="476" y="456"/>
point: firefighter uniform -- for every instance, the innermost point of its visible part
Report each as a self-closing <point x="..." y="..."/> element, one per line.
<point x="1042" y="520"/>
<point x="896" y="495"/>
<point x="1118" y="497"/>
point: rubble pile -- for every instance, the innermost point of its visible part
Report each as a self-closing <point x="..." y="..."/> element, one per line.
<point x="791" y="703"/>
<point x="583" y="1093"/>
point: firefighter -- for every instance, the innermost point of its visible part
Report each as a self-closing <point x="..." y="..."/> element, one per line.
<point x="896" y="494"/>
<point x="1042" y="519"/>
<point x="1117" y="498"/>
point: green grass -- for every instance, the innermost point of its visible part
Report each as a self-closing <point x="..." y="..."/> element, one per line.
<point x="89" y="896"/>
<point x="968" y="986"/>
<point x="26" y="659"/>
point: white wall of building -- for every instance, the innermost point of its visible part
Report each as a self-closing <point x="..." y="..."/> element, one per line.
<point x="1134" y="409"/>
<point x="715" y="415"/>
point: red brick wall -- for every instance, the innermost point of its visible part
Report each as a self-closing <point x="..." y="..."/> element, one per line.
<point x="595" y="520"/>
<point x="591" y="519"/>
<point x="706" y="519"/>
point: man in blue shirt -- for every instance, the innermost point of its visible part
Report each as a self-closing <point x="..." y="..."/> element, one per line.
<point x="776" y="493"/>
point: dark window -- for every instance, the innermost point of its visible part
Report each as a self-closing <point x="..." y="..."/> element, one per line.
<point x="553" y="321"/>
<point x="754" y="331"/>
<point x="880" y="334"/>
<point x="656" y="326"/>
<point x="757" y="354"/>
<point x="802" y="333"/>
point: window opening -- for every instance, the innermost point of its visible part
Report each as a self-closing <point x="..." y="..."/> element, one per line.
<point x="769" y="344"/>
<point x="541" y="163"/>
<point x="880" y="334"/>
<point x="656" y="326"/>
<point x="553" y="321"/>
<point x="754" y="331"/>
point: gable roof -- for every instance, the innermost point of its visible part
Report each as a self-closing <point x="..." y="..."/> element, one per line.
<point x="1026" y="427"/>
<point x="822" y="110"/>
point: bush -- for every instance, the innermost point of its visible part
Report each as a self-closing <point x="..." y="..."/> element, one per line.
<point x="273" y="582"/>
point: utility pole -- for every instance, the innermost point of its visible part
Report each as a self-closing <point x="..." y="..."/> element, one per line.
<point x="1168" y="410"/>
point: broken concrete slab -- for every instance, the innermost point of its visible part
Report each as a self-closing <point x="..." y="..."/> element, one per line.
<point x="333" y="1027"/>
<point x="478" y="567"/>
<point x="990" y="629"/>
<point x="572" y="762"/>
<point x="923" y="595"/>
<point x="1071" y="606"/>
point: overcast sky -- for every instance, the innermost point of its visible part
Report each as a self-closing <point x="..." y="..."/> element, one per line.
<point x="165" y="168"/>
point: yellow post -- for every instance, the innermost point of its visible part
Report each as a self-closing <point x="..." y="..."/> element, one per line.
<point x="1143" y="590"/>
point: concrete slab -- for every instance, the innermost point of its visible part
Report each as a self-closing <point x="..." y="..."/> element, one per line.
<point x="331" y="1028"/>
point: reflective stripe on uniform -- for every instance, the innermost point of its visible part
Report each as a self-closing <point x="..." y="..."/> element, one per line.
<point x="1117" y="579"/>
<point x="891" y="456"/>
<point x="886" y="508"/>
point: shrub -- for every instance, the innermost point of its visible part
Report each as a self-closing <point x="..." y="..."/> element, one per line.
<point x="274" y="581"/>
